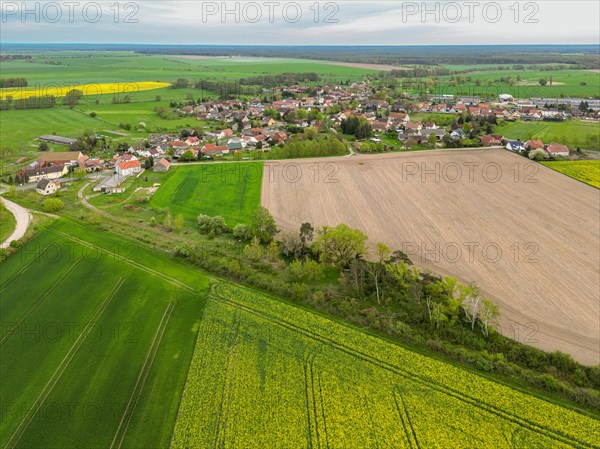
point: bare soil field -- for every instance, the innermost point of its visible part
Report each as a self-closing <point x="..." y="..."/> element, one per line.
<point x="527" y="235"/>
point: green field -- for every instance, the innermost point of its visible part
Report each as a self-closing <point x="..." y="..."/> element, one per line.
<point x="584" y="171"/>
<point x="96" y="333"/>
<point x="100" y="67"/>
<point x="231" y="190"/>
<point x="568" y="83"/>
<point x="268" y="374"/>
<point x="575" y="133"/>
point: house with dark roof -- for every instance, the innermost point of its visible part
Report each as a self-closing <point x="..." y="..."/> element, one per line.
<point x="47" y="186"/>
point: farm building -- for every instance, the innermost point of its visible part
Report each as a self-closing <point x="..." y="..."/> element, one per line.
<point x="556" y="149"/>
<point x="60" y="158"/>
<point x="162" y="165"/>
<point x="57" y="139"/>
<point x="47" y="187"/>
<point x="110" y="185"/>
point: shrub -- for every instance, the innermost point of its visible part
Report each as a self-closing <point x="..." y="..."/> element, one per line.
<point x="241" y="232"/>
<point x="92" y="114"/>
<point x="53" y="205"/>
<point x="212" y="225"/>
<point x="16" y="243"/>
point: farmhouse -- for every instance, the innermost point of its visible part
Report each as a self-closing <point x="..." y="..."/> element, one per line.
<point x="47" y="187"/>
<point x="37" y="173"/>
<point x="556" y="149"/>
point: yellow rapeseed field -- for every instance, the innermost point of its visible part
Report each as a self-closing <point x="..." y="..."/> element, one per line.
<point x="60" y="90"/>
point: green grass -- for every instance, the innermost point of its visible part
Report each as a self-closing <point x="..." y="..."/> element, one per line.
<point x="269" y="374"/>
<point x="584" y="171"/>
<point x="231" y="190"/>
<point x="81" y="380"/>
<point x="7" y="223"/>
<point x="570" y="83"/>
<point x="575" y="133"/>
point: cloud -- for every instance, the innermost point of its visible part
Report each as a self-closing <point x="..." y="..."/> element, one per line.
<point x="318" y="23"/>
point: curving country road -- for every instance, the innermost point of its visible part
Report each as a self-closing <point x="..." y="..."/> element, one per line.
<point x="22" y="217"/>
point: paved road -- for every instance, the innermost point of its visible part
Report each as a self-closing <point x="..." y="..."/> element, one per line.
<point x="22" y="216"/>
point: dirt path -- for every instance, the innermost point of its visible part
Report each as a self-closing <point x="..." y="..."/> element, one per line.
<point x="22" y="217"/>
<point x="527" y="235"/>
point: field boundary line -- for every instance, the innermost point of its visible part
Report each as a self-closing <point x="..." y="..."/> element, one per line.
<point x="143" y="375"/>
<point x="557" y="435"/>
<point x="39" y="301"/>
<point x="138" y="265"/>
<point x="63" y="365"/>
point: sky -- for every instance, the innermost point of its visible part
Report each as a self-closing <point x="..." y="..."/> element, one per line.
<point x="301" y="22"/>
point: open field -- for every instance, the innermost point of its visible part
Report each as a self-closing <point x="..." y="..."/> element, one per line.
<point x="268" y="374"/>
<point x="526" y="234"/>
<point x="570" y="83"/>
<point x="96" y="331"/>
<point x="584" y="171"/>
<point x="574" y="133"/>
<point x="229" y="190"/>
<point x="105" y="67"/>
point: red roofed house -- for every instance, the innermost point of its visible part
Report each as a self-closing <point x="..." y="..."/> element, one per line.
<point x="128" y="168"/>
<point x="489" y="141"/>
<point x="534" y="145"/>
<point x="556" y="149"/>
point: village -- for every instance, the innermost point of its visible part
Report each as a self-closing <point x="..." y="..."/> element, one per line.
<point x="250" y="129"/>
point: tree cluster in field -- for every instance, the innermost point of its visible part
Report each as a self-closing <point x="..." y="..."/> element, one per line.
<point x="87" y="143"/>
<point x="41" y="102"/>
<point x="12" y="82"/>
<point x="300" y="146"/>
<point x="281" y="79"/>
<point x="330" y="269"/>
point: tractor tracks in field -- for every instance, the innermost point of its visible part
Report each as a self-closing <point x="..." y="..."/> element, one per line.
<point x="63" y="365"/>
<point x="123" y="426"/>
<point x="415" y="377"/>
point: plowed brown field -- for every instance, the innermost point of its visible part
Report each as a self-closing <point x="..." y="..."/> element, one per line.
<point x="529" y="236"/>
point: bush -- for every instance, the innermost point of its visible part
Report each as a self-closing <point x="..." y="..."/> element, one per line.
<point x="212" y="225"/>
<point x="92" y="114"/>
<point x="241" y="232"/>
<point x="16" y="243"/>
<point x="53" y="205"/>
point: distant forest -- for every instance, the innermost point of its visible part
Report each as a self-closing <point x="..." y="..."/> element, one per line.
<point x="580" y="56"/>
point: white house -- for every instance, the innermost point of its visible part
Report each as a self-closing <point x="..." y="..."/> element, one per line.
<point x="128" y="168"/>
<point x="516" y="146"/>
<point x="47" y="187"/>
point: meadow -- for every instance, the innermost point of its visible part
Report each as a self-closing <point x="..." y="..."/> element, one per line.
<point x="568" y="83"/>
<point x="268" y="374"/>
<point x="584" y="171"/>
<point x="96" y="330"/>
<point x="574" y="133"/>
<point x="231" y="190"/>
